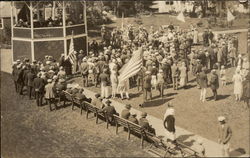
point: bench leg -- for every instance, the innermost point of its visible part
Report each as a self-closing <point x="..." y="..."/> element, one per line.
<point x="72" y="105"/>
<point x="107" y="123"/>
<point x="87" y="114"/>
<point x="116" y="130"/>
<point x="142" y="139"/>
<point x="81" y="109"/>
<point x="96" y="118"/>
<point x="128" y="134"/>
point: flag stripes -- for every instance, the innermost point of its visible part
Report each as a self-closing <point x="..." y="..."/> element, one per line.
<point x="71" y="55"/>
<point x="132" y="67"/>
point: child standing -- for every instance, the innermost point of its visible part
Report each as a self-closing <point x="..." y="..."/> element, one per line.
<point x="223" y="76"/>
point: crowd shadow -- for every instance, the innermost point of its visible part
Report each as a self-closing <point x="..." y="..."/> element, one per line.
<point x="237" y="152"/>
<point x="219" y="97"/>
<point x="135" y="95"/>
<point x="189" y="86"/>
<point x="170" y="94"/>
<point x="184" y="137"/>
<point x="154" y="103"/>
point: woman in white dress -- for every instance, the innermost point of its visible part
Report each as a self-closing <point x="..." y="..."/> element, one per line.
<point x="183" y="75"/>
<point x="114" y="83"/>
<point x="237" y="79"/>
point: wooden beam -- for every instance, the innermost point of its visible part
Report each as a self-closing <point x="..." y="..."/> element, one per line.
<point x="32" y="31"/>
<point x="64" y="30"/>
<point x="12" y="25"/>
<point x="85" y="22"/>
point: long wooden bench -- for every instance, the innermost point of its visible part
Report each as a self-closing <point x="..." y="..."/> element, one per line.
<point x="79" y="102"/>
<point x="169" y="149"/>
<point x="68" y="97"/>
<point x="132" y="127"/>
<point x="91" y="108"/>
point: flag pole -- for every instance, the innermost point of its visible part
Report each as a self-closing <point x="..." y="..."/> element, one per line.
<point x="122" y="19"/>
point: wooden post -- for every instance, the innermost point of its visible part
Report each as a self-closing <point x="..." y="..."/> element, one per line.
<point x="107" y="120"/>
<point x="142" y="139"/>
<point x="128" y="132"/>
<point x="64" y="30"/>
<point x="86" y="30"/>
<point x="12" y="33"/>
<point x="32" y="31"/>
<point x="96" y="112"/>
<point x="116" y="124"/>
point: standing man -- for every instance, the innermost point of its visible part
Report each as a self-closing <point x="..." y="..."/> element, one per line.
<point x="39" y="85"/>
<point x="85" y="72"/>
<point x="175" y="75"/>
<point x="214" y="83"/>
<point x="147" y="86"/>
<point x="225" y="134"/>
<point x="105" y="81"/>
<point x="30" y="78"/>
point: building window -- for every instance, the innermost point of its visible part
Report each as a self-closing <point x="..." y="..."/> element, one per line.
<point x="1" y="23"/>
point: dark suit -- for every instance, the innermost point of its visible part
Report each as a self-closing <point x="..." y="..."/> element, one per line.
<point x="85" y="72"/>
<point x="20" y="81"/>
<point x="30" y="78"/>
<point x="110" y="111"/>
<point x="39" y="86"/>
<point x="214" y="84"/>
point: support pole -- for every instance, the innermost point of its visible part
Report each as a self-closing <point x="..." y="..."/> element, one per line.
<point x="12" y="33"/>
<point x="32" y="32"/>
<point x="64" y="30"/>
<point x="85" y="22"/>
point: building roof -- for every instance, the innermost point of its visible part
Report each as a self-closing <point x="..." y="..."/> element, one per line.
<point x="5" y="9"/>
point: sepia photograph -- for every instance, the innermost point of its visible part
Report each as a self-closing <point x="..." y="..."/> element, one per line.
<point x="128" y="78"/>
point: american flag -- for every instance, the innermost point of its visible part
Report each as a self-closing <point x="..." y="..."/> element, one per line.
<point x="71" y="55"/>
<point x="133" y="66"/>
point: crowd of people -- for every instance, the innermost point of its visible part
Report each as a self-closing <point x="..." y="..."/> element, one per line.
<point x="169" y="54"/>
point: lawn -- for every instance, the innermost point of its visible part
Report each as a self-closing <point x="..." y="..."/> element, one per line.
<point x="28" y="131"/>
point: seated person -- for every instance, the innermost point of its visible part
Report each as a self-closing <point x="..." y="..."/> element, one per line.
<point x="69" y="90"/>
<point x="110" y="111"/>
<point x="133" y="119"/>
<point x="79" y="95"/>
<point x="143" y="122"/>
<point x="125" y="113"/>
<point x="97" y="101"/>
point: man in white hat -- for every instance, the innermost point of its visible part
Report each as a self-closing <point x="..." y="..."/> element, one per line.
<point x="225" y="134"/>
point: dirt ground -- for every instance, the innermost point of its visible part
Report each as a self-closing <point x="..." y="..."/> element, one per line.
<point x="28" y="131"/>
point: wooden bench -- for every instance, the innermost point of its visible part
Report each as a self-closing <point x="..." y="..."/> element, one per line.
<point x="91" y="108"/>
<point x="132" y="127"/>
<point x="78" y="102"/>
<point x="68" y="97"/>
<point x="162" y="149"/>
<point x="170" y="149"/>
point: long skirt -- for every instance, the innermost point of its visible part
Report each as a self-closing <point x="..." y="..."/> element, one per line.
<point x="183" y="81"/>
